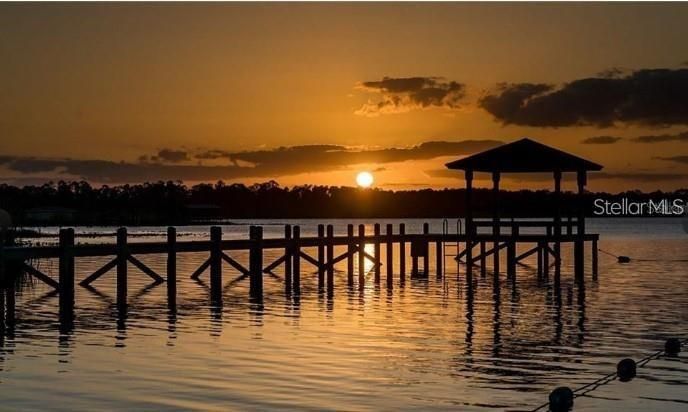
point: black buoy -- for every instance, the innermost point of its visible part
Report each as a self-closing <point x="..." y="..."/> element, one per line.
<point x="626" y="370"/>
<point x="672" y="347"/>
<point x="624" y="259"/>
<point x="561" y="399"/>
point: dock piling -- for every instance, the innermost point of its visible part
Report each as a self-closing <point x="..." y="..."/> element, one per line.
<point x="402" y="253"/>
<point x="296" y="259"/>
<point x="361" y="256"/>
<point x="256" y="262"/>
<point x="122" y="267"/>
<point x="376" y="252"/>
<point x="321" y="257"/>
<point x="426" y="255"/>
<point x="171" y="267"/>
<point x="350" y="258"/>
<point x="287" y="259"/>
<point x="66" y="273"/>
<point x="216" y="263"/>
<point x="330" y="259"/>
<point x="390" y="256"/>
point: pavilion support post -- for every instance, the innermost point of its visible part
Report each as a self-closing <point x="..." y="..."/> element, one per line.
<point x="122" y="253"/>
<point x="495" y="220"/>
<point x="288" y="259"/>
<point x="439" y="258"/>
<point x="330" y="259"/>
<point x="256" y="262"/>
<point x="579" y="245"/>
<point x="321" y="257"/>
<point x="539" y="260"/>
<point x="350" y="258"/>
<point x="483" y="259"/>
<point x="469" y="202"/>
<point x="361" y="256"/>
<point x="171" y="267"/>
<point x="376" y="249"/>
<point x="426" y="257"/>
<point x="511" y="259"/>
<point x="390" y="256"/>
<point x="402" y="253"/>
<point x="296" y="259"/>
<point x="557" y="226"/>
<point x="66" y="273"/>
<point x="215" y="263"/>
<point x="545" y="260"/>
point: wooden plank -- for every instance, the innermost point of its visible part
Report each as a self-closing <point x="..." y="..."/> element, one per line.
<point x="197" y="273"/>
<point x="233" y="263"/>
<point x="145" y="269"/>
<point x="309" y="259"/>
<point x="41" y="276"/>
<point x="273" y="265"/>
<point x="98" y="273"/>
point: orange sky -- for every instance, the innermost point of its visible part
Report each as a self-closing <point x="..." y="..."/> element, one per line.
<point x="86" y="87"/>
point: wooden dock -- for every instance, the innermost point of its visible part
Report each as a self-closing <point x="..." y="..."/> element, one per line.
<point x="472" y="249"/>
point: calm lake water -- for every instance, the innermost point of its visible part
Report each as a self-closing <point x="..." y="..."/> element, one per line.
<point x="426" y="345"/>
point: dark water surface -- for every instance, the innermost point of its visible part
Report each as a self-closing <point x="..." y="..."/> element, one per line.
<point x="435" y="344"/>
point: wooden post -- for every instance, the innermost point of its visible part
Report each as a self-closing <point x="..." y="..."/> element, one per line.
<point x="469" y="203"/>
<point x="287" y="259"/>
<point x="511" y="259"/>
<point x="439" y="258"/>
<point x="483" y="259"/>
<point x="579" y="245"/>
<point x="66" y="273"/>
<point x="557" y="227"/>
<point x="426" y="257"/>
<point x="216" y="263"/>
<point x="495" y="220"/>
<point x="296" y="259"/>
<point x="350" y="258"/>
<point x="256" y="262"/>
<point x="376" y="252"/>
<point x="330" y="258"/>
<point x="594" y="259"/>
<point x="545" y="260"/>
<point x="402" y="253"/>
<point x="122" y="254"/>
<point x="390" y="256"/>
<point x="539" y="260"/>
<point x="321" y="257"/>
<point x="361" y="256"/>
<point x="171" y="267"/>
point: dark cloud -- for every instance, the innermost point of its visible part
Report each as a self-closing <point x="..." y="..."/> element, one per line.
<point x="660" y="138"/>
<point x="683" y="159"/>
<point x="651" y="97"/>
<point x="601" y="140"/>
<point x="273" y="163"/>
<point x="172" y="156"/>
<point x="403" y="94"/>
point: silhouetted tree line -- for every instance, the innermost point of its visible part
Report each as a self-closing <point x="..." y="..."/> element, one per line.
<point x="175" y="203"/>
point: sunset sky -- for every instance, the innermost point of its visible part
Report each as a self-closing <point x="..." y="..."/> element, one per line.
<point x="314" y="93"/>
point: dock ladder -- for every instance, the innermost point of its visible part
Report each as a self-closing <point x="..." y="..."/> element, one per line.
<point x="452" y="246"/>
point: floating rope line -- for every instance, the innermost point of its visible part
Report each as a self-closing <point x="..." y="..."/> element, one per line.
<point x="561" y="398"/>
<point x="621" y="259"/>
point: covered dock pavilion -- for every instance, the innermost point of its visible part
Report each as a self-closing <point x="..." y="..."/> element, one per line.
<point x="527" y="156"/>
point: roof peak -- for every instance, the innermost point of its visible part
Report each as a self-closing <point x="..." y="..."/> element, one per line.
<point x="524" y="156"/>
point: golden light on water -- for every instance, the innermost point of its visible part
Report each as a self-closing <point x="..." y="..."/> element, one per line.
<point x="364" y="179"/>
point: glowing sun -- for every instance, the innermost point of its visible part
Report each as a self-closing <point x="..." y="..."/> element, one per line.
<point x="364" y="179"/>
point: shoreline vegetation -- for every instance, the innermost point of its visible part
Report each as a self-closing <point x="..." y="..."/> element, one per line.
<point x="173" y="203"/>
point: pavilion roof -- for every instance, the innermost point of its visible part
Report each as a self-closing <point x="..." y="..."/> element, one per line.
<point x="524" y="156"/>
